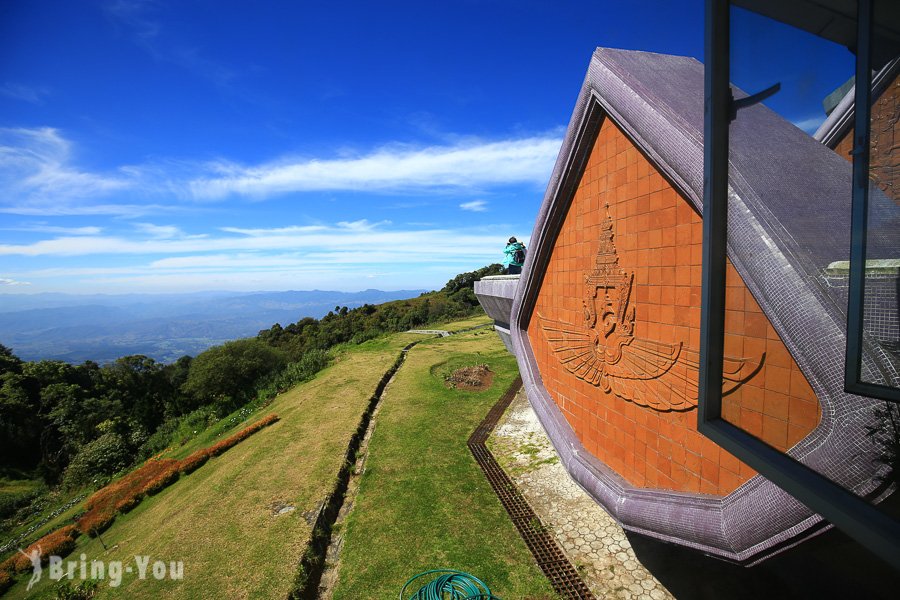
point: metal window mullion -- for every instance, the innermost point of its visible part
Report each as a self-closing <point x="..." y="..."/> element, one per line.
<point x="715" y="208"/>
<point x="860" y="202"/>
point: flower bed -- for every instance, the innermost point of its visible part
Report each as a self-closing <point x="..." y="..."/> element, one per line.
<point x="6" y="580"/>
<point x="120" y="497"/>
<point x="153" y="477"/>
<point x="59" y="543"/>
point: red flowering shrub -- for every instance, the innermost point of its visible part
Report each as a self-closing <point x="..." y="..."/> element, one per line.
<point x="9" y="565"/>
<point x="266" y="421"/>
<point x="129" y="502"/>
<point x="156" y="474"/>
<point x="111" y="495"/>
<point x="59" y="543"/>
<point x="6" y="581"/>
<point x="195" y="461"/>
<point x="96" y="522"/>
<point x="104" y="504"/>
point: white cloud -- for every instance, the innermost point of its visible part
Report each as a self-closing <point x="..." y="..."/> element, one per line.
<point x="229" y="261"/>
<point x="164" y="232"/>
<point x="340" y="243"/>
<point x="44" y="228"/>
<point x="394" y="168"/>
<point x="474" y="205"/>
<point x="12" y="282"/>
<point x="35" y="164"/>
<point x="63" y="207"/>
<point x="40" y="176"/>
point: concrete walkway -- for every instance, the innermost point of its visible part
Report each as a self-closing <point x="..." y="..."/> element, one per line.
<point x="591" y="539"/>
<point x="617" y="564"/>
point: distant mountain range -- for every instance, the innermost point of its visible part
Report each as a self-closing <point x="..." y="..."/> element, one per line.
<point x="165" y="327"/>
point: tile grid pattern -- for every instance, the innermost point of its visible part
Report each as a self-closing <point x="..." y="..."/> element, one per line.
<point x="658" y="236"/>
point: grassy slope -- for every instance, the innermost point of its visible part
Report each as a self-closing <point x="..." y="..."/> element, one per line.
<point x="423" y="502"/>
<point x="218" y="520"/>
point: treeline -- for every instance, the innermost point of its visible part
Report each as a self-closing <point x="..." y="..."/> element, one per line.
<point x="72" y="424"/>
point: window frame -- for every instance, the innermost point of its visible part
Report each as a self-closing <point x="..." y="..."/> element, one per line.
<point x="853" y="381"/>
<point x="853" y="515"/>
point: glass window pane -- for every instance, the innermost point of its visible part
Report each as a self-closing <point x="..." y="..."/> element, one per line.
<point x="789" y="241"/>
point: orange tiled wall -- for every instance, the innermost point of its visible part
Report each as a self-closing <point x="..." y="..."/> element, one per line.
<point x="884" y="159"/>
<point x="658" y="236"/>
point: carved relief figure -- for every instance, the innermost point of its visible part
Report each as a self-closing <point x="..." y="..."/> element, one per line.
<point x="604" y="352"/>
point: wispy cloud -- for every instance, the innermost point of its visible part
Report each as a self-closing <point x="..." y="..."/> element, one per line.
<point x="360" y="241"/>
<point x="28" y="93"/>
<point x="44" y="228"/>
<point x="12" y="282"/>
<point x="144" y="25"/>
<point x="474" y="205"/>
<point x="164" y="232"/>
<point x="40" y="175"/>
<point x="470" y="164"/>
<point x="811" y="124"/>
<point x="35" y="164"/>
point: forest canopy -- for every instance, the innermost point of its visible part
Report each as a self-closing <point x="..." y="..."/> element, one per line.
<point x="68" y="423"/>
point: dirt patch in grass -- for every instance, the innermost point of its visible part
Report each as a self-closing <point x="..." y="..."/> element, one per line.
<point x="476" y="378"/>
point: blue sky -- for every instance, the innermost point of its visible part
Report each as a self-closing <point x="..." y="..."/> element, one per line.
<point x="156" y="146"/>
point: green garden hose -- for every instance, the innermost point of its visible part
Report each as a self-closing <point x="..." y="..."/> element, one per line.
<point x="455" y="584"/>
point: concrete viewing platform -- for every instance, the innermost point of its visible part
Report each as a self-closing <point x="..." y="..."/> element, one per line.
<point x="496" y="294"/>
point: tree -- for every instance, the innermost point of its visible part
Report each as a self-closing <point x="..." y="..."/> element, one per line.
<point x="139" y="384"/>
<point x="9" y="362"/>
<point x="230" y="370"/>
<point x="467" y="280"/>
<point x="20" y="423"/>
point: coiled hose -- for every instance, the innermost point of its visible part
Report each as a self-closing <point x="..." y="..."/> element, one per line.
<point x="459" y="586"/>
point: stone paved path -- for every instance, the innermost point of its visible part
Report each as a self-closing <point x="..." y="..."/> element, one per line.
<point x="593" y="541"/>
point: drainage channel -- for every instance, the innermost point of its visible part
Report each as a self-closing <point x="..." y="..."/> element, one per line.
<point x="309" y="578"/>
<point x="309" y="583"/>
<point x="550" y="558"/>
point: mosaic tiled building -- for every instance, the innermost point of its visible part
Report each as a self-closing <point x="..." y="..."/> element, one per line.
<point x="605" y="320"/>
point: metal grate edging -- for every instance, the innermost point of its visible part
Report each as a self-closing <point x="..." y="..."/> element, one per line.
<point x="550" y="558"/>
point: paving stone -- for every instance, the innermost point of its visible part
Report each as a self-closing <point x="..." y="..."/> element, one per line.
<point x="591" y="538"/>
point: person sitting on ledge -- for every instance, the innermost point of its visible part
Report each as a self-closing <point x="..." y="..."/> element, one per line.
<point x="515" y="256"/>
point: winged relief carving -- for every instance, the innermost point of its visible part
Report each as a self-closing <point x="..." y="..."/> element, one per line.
<point x="603" y="350"/>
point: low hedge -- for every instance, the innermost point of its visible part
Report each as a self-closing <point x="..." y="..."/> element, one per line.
<point x="58" y="543"/>
<point x="120" y="497"/>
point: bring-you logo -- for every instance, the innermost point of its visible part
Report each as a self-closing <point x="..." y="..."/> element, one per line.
<point x="97" y="570"/>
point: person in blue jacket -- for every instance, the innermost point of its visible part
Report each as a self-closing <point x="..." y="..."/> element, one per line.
<point x="514" y="256"/>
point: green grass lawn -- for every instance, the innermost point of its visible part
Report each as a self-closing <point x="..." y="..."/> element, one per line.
<point x="423" y="502"/>
<point x="461" y="325"/>
<point x="218" y="520"/>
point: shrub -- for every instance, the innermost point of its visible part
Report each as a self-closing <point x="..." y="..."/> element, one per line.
<point x="195" y="461"/>
<point x="156" y="474"/>
<point x="129" y="502"/>
<point x="163" y="480"/>
<point x="9" y="565"/>
<point x="10" y="503"/>
<point x="106" y="455"/>
<point x="6" y="580"/>
<point x="96" y="522"/>
<point x="58" y="543"/>
<point x="222" y="446"/>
